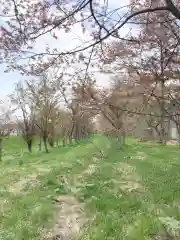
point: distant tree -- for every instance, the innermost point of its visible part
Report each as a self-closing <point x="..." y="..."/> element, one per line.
<point x="6" y="128"/>
<point x="45" y="99"/>
<point x="100" y="102"/>
<point x="26" y="106"/>
<point x="78" y="121"/>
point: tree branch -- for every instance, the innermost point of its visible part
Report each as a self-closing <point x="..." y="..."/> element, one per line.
<point x="171" y="7"/>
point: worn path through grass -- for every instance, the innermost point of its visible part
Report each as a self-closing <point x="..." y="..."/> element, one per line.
<point x="78" y="193"/>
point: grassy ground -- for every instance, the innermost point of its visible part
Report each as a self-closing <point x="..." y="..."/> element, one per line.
<point x="79" y="192"/>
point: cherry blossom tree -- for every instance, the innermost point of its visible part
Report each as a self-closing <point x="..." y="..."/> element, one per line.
<point x="28" y="21"/>
<point x="27" y="108"/>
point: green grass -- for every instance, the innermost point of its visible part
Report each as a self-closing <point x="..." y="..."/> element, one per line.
<point x="131" y="194"/>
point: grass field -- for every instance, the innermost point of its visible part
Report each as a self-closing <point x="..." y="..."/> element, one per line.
<point x="80" y="193"/>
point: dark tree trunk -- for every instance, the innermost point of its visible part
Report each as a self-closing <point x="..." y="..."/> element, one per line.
<point x="29" y="145"/>
<point x="51" y="141"/>
<point x="162" y="107"/>
<point x="40" y="143"/>
<point x="64" y="142"/>
<point x="45" y="144"/>
<point x="162" y="136"/>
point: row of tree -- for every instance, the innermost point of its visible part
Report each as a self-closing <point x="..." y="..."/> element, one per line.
<point x="56" y="111"/>
<point x="145" y="65"/>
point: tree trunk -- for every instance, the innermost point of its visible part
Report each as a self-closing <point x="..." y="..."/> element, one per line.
<point x="45" y="144"/>
<point x="51" y="141"/>
<point x="40" y="143"/>
<point x="179" y="139"/>
<point x="71" y="134"/>
<point x="1" y="149"/>
<point x="163" y="136"/>
<point x="162" y="105"/>
<point x="29" y="145"/>
<point x="64" y="133"/>
<point x="162" y="102"/>
<point x="160" y="136"/>
<point x="64" y="142"/>
<point x="52" y="136"/>
<point x="121" y="139"/>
